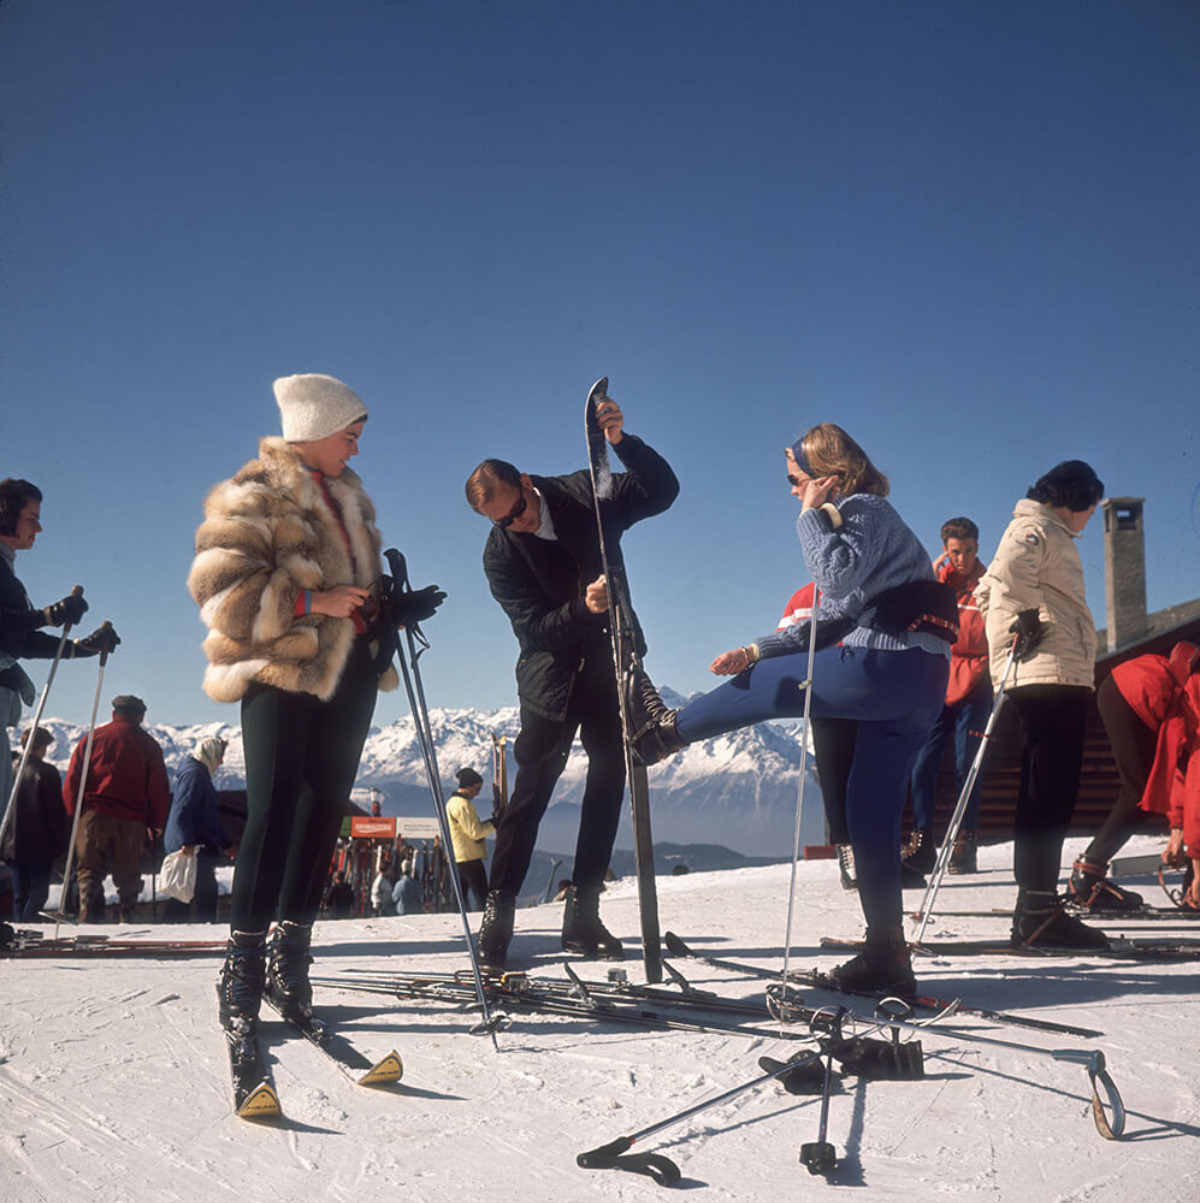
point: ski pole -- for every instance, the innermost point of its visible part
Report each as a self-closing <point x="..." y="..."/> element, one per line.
<point x="807" y="687"/>
<point x="83" y="777"/>
<point x="1093" y="1060"/>
<point x="420" y="712"/>
<point x="943" y="861"/>
<point x="10" y="807"/>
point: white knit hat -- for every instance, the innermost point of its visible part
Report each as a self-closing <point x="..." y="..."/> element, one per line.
<point x="315" y="406"/>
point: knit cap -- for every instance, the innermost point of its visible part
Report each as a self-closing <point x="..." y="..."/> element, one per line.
<point x="315" y="406"/>
<point x="468" y="777"/>
<point x="210" y="752"/>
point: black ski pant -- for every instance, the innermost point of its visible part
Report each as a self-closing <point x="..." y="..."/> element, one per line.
<point x="301" y="760"/>
<point x="541" y="753"/>
<point x="1133" y="745"/>
<point x="472" y="876"/>
<point x="1053" y="722"/>
<point x="833" y="743"/>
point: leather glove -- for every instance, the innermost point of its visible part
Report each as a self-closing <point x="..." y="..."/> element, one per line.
<point x="417" y="606"/>
<point x="102" y="639"/>
<point x="71" y="609"/>
<point x="1028" y="629"/>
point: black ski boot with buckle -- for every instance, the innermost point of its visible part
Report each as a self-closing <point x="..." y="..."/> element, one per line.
<point x="240" y="986"/>
<point x="583" y="934"/>
<point x="845" y="859"/>
<point x="1090" y="889"/>
<point x="1040" y="920"/>
<point x="883" y="967"/>
<point x="287" y="973"/>
<point x="917" y="858"/>
<point x="496" y="930"/>
<point x="653" y="735"/>
<point x="963" y="858"/>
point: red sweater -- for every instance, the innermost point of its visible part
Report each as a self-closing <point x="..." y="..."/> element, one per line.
<point x="969" y="655"/>
<point x="127" y="778"/>
<point x="1164" y="692"/>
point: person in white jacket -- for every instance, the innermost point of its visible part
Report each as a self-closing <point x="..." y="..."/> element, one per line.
<point x="1034" y="588"/>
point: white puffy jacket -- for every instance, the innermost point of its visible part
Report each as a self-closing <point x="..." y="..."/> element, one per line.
<point x="1037" y="566"/>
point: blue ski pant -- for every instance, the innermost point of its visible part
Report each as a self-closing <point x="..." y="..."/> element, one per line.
<point x="894" y="695"/>
<point x="965" y="722"/>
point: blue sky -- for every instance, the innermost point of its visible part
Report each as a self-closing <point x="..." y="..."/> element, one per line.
<point x="967" y="232"/>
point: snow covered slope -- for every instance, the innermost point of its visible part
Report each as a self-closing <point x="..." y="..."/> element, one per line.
<point x="113" y="1080"/>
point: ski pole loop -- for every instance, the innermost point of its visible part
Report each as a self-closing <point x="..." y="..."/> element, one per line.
<point x="612" y="1157"/>
<point x="1114" y="1129"/>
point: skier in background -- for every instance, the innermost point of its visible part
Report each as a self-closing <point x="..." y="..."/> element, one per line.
<point x="40" y="830"/>
<point x="467" y="834"/>
<point x="194" y="828"/>
<point x="542" y="562"/>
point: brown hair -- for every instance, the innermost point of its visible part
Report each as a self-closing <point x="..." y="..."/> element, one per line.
<point x="491" y="475"/>
<point x="15" y="495"/>
<point x="959" y="528"/>
<point x="832" y="452"/>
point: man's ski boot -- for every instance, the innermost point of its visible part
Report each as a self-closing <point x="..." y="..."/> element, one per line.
<point x="496" y="930"/>
<point x="1040" y="920"/>
<point x="1090" y="889"/>
<point x="883" y="967"/>
<point x="240" y="985"/>
<point x="845" y="858"/>
<point x="287" y="972"/>
<point x="652" y="731"/>
<point x="963" y="858"/>
<point x="583" y="933"/>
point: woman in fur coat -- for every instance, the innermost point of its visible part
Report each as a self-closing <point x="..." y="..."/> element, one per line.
<point x="287" y="575"/>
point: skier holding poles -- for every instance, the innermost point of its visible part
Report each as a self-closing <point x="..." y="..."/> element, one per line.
<point x="287" y="574"/>
<point x="896" y="625"/>
<point x="542" y="562"/>
<point x="20" y="623"/>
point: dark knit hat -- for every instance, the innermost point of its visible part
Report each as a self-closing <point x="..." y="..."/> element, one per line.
<point x="468" y="777"/>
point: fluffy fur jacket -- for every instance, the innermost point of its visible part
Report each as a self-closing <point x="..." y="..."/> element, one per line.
<point x="268" y="534"/>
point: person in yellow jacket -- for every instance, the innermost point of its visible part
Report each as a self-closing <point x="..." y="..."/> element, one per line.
<point x="467" y="833"/>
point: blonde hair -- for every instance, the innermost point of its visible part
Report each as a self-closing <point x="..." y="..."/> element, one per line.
<point x="832" y="452"/>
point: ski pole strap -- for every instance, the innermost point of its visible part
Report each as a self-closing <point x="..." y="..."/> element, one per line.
<point x="1097" y="1069"/>
<point x="612" y="1157"/>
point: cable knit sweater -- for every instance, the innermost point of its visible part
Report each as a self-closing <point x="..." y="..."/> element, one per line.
<point x="873" y="550"/>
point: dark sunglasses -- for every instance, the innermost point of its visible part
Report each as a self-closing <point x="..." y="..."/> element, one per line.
<point x="793" y="481"/>
<point x="513" y="514"/>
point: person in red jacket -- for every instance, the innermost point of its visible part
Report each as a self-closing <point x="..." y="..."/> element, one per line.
<point x="964" y="716"/>
<point x="126" y="799"/>
<point x="1150" y="706"/>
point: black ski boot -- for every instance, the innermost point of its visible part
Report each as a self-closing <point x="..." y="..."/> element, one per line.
<point x="1040" y="920"/>
<point x="583" y="934"/>
<point x="240" y="986"/>
<point x="845" y="857"/>
<point x="287" y="973"/>
<point x="1090" y="889"/>
<point x="652" y="730"/>
<point x="883" y="967"/>
<point x="496" y="931"/>
<point x="963" y="858"/>
<point x="917" y="858"/>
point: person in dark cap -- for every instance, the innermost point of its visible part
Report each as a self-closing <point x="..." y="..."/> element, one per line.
<point x="126" y="800"/>
<point x="467" y="833"/>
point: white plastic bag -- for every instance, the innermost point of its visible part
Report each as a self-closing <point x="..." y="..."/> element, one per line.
<point x="178" y="875"/>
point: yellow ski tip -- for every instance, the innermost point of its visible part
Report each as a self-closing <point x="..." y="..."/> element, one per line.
<point x="390" y="1069"/>
<point x="261" y="1103"/>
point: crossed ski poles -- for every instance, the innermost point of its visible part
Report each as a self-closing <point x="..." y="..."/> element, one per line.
<point x="10" y="807"/>
<point x="416" y="643"/>
<point x="925" y="913"/>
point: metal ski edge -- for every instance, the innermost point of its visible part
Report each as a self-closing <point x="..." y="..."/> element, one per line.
<point x="821" y="981"/>
<point x="352" y="1062"/>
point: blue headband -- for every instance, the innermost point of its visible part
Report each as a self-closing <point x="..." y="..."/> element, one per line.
<point x="802" y="459"/>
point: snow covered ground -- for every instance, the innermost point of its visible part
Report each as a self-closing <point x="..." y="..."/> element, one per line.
<point x="113" y="1080"/>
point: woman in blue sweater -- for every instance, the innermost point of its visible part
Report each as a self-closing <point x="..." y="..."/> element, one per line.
<point x="896" y="624"/>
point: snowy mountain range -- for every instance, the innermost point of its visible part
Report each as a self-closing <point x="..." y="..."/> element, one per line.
<point x="738" y="790"/>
